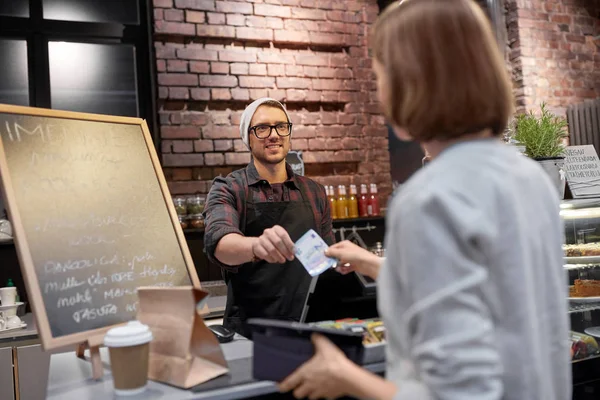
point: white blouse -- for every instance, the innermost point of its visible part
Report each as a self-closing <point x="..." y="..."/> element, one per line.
<point x="473" y="290"/>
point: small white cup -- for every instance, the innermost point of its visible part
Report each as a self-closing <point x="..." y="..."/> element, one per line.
<point x="8" y="295"/>
<point x="13" y="322"/>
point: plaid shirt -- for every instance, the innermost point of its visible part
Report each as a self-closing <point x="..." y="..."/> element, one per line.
<point x="225" y="206"/>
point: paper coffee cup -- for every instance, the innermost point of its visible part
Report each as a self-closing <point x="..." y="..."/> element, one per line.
<point x="8" y="295"/>
<point x="129" y="348"/>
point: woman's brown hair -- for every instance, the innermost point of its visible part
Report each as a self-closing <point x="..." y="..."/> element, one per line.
<point x="444" y="76"/>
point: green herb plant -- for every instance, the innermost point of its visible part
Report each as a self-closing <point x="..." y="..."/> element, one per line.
<point x="541" y="135"/>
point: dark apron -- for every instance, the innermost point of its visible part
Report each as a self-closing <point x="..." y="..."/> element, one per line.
<point x="263" y="290"/>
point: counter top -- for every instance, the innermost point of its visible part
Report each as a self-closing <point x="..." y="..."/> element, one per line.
<point x="29" y="332"/>
<point x="70" y="379"/>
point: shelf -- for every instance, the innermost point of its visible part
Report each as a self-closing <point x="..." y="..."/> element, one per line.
<point x="582" y="260"/>
<point x="583" y="307"/>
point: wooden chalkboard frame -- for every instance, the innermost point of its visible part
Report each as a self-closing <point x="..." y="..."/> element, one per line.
<point x="23" y="250"/>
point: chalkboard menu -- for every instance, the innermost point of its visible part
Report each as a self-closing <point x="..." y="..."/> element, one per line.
<point x="92" y="217"/>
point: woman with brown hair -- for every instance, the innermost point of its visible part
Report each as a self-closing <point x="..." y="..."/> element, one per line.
<point x="472" y="292"/>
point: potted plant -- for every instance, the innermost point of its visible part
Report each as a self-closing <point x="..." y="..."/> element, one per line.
<point x="543" y="137"/>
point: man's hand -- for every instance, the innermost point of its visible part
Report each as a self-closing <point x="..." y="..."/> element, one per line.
<point x="274" y="246"/>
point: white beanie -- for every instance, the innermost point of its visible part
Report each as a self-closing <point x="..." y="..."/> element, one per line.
<point x="249" y="113"/>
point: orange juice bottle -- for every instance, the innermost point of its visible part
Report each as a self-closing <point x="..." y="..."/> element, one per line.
<point x="352" y="203"/>
<point x="342" y="202"/>
<point x="332" y="201"/>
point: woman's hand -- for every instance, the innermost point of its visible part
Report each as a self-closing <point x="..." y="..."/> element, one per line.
<point x="354" y="258"/>
<point x="323" y="376"/>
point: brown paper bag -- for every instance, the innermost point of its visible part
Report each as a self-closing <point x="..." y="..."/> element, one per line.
<point x="184" y="352"/>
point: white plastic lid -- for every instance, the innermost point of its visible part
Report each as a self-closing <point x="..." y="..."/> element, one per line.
<point x="132" y="334"/>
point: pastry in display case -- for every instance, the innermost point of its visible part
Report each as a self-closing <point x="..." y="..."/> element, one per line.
<point x="582" y="260"/>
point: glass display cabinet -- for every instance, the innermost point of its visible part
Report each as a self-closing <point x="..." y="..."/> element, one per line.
<point x="582" y="261"/>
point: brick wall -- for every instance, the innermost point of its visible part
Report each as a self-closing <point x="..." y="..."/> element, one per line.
<point x="215" y="57"/>
<point x="555" y="51"/>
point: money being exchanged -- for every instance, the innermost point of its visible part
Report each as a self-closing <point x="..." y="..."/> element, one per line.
<point x="310" y="250"/>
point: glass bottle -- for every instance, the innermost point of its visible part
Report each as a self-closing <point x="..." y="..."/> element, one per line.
<point x="332" y="201"/>
<point x="373" y="202"/>
<point x="342" y="203"/>
<point x="362" y="201"/>
<point x="352" y="203"/>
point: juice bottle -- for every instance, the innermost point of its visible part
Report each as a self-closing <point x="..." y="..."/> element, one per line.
<point x="352" y="203"/>
<point x="342" y="202"/>
<point x="332" y="201"/>
<point x="362" y="201"/>
<point x="373" y="202"/>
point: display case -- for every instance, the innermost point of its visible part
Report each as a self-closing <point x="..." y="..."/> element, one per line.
<point x="582" y="261"/>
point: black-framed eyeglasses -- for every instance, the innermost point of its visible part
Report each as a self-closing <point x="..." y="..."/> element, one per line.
<point x="263" y="131"/>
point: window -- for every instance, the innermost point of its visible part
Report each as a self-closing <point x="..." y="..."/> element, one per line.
<point x="14" y="85"/>
<point x="78" y="55"/>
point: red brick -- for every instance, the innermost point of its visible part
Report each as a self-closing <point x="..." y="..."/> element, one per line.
<point x="237" y="56"/>
<point x="183" y="146"/>
<point x="236" y="116"/>
<point x="237" y="158"/>
<point x="196" y="52"/>
<point x="176" y="28"/>
<point x="200" y="94"/>
<point x="188" y="187"/>
<point x="220" y="132"/>
<point x="328" y="84"/>
<point x="286" y="2"/>
<point x="331" y="131"/>
<point x="301" y="25"/>
<point x="173" y="15"/>
<point x="256" y="82"/>
<point x="216" y="18"/>
<point x="200" y="67"/>
<point x="219" y="68"/>
<point x="300" y="131"/>
<point x="274" y="23"/>
<point x="178" y="79"/>
<point x="257" y="69"/>
<point x="214" y="159"/>
<point x="349" y="143"/>
<point x="183" y="160"/>
<point x="166" y="146"/>
<point x="181" y="174"/>
<point x="326" y="72"/>
<point x="346" y="119"/>
<point x="311" y="72"/>
<point x="205" y="5"/>
<point x="275" y="57"/>
<point x="163" y="3"/>
<point x="240" y="94"/>
<point x="328" y="118"/>
<point x="223" y="145"/>
<point x="272" y="11"/>
<point x="293" y="70"/>
<point x="196" y="17"/>
<point x="203" y="146"/>
<point x="238" y="69"/>
<point x="318" y="157"/>
<point x="308" y="13"/>
<point x="246" y="33"/>
<point x="180" y="93"/>
<point x="299" y="144"/>
<point x="315" y="60"/>
<point x="295" y="95"/>
<point x="238" y="145"/>
<point x="218" y="81"/>
<point x="257" y="93"/>
<point x="575" y="38"/>
<point x="329" y="96"/>
<point x="317" y="144"/>
<point x="220" y="117"/>
<point x="159" y="14"/>
<point x="193" y="118"/>
<point x="177" y="66"/>
<point x="218" y="31"/>
<point x="234" y="7"/>
<point x="220" y="94"/>
<point x="179" y="132"/>
<point x="333" y="39"/>
<point x="161" y="66"/>
<point x="236" y="20"/>
<point x="561" y="19"/>
<point x="311" y="118"/>
<point x="257" y="22"/>
<point x="277" y="94"/>
<point x="286" y="36"/>
<point x="293" y="83"/>
<point x="276" y="70"/>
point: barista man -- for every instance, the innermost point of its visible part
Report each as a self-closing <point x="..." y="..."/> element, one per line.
<point x="254" y="216"/>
